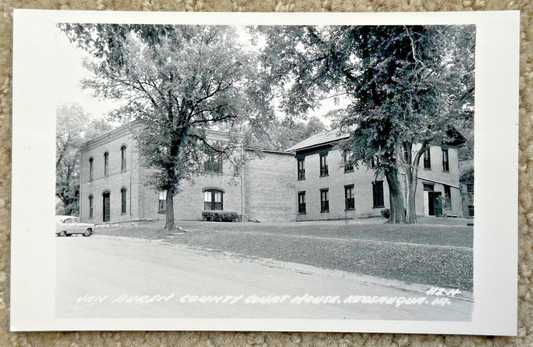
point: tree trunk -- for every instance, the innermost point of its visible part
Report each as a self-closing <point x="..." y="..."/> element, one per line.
<point x="397" y="209"/>
<point x="411" y="174"/>
<point x="170" y="225"/>
<point x="411" y="180"/>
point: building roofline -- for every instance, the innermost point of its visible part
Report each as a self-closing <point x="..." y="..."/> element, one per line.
<point x="337" y="137"/>
<point x="124" y="129"/>
<point x="108" y="136"/>
<point x="318" y="145"/>
<point x="270" y="151"/>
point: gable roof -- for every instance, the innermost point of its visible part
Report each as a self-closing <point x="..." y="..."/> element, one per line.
<point x="322" y="138"/>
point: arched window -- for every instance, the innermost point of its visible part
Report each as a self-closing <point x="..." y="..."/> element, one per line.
<point x="91" y="206"/>
<point x="106" y="204"/>
<point x="123" y="193"/>
<point x="91" y="161"/>
<point x="213" y="200"/>
<point x="106" y="163"/>
<point x="123" y="158"/>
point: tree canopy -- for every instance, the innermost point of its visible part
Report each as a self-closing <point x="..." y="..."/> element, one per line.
<point x="74" y="127"/>
<point x="177" y="82"/>
<point x="409" y="87"/>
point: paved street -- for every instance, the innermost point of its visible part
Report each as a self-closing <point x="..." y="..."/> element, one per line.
<point x="124" y="277"/>
<point x="438" y="255"/>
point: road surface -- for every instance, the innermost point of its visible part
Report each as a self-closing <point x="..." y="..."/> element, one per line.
<point x="114" y="277"/>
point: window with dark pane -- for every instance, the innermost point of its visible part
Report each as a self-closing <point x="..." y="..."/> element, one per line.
<point x="301" y="202"/>
<point x="106" y="163"/>
<point x="123" y="201"/>
<point x="377" y="190"/>
<point x="162" y="205"/>
<point x="348" y="162"/>
<point x="445" y="160"/>
<point x="213" y="200"/>
<point x="301" y="168"/>
<point x="427" y="159"/>
<point x="324" y="200"/>
<point x="323" y="164"/>
<point x="349" y="197"/>
<point x="123" y="158"/>
<point x="213" y="163"/>
<point x="91" y="162"/>
<point x="91" y="206"/>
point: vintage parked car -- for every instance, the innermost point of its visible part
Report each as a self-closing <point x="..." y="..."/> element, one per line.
<point x="68" y="225"/>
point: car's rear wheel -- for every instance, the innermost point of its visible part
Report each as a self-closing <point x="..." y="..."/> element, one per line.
<point x="87" y="233"/>
<point x="62" y="233"/>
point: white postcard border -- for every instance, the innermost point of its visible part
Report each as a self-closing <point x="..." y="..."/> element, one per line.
<point x="496" y="167"/>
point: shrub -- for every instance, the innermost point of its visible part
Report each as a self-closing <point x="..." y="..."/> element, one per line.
<point x="385" y="213"/>
<point x="220" y="216"/>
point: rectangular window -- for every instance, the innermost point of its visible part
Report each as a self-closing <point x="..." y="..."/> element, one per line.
<point x="445" y="160"/>
<point x="123" y="158"/>
<point x="323" y="164"/>
<point x="123" y="201"/>
<point x="213" y="164"/>
<point x="427" y="159"/>
<point x="377" y="190"/>
<point x="471" y="210"/>
<point x="324" y="200"/>
<point x="301" y="168"/>
<point x="301" y="203"/>
<point x="207" y="200"/>
<point x="348" y="162"/>
<point x="349" y="198"/>
<point x="106" y="163"/>
<point x="448" y="197"/>
<point x="217" y="199"/>
<point x="91" y="209"/>
<point x="162" y="202"/>
<point x="470" y="188"/>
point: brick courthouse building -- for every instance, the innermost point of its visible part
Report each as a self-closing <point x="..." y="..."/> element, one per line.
<point x="112" y="185"/>
<point x="329" y="187"/>
<point x="309" y="181"/>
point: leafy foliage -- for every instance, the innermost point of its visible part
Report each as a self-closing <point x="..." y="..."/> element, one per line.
<point x="409" y="87"/>
<point x="178" y="82"/>
<point x="282" y="134"/>
<point x="220" y="216"/>
<point x="74" y="127"/>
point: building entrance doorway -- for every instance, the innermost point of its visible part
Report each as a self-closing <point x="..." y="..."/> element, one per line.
<point x="432" y="201"/>
<point x="435" y="203"/>
<point x="106" y="213"/>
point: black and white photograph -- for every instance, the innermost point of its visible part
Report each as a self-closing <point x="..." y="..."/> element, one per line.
<point x="286" y="171"/>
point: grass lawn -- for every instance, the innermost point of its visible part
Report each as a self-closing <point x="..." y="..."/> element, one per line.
<point x="437" y="255"/>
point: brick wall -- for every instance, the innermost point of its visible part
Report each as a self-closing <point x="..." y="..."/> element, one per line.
<point x="361" y="178"/>
<point x="115" y="180"/>
<point x="438" y="178"/>
<point x="189" y="202"/>
<point x="266" y="190"/>
<point x="269" y="187"/>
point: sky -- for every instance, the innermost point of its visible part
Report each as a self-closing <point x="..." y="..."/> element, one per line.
<point x="69" y="90"/>
<point x="68" y="84"/>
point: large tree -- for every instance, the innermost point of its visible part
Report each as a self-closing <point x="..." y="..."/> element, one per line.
<point x="176" y="82"/>
<point x="73" y="127"/>
<point x="409" y="87"/>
